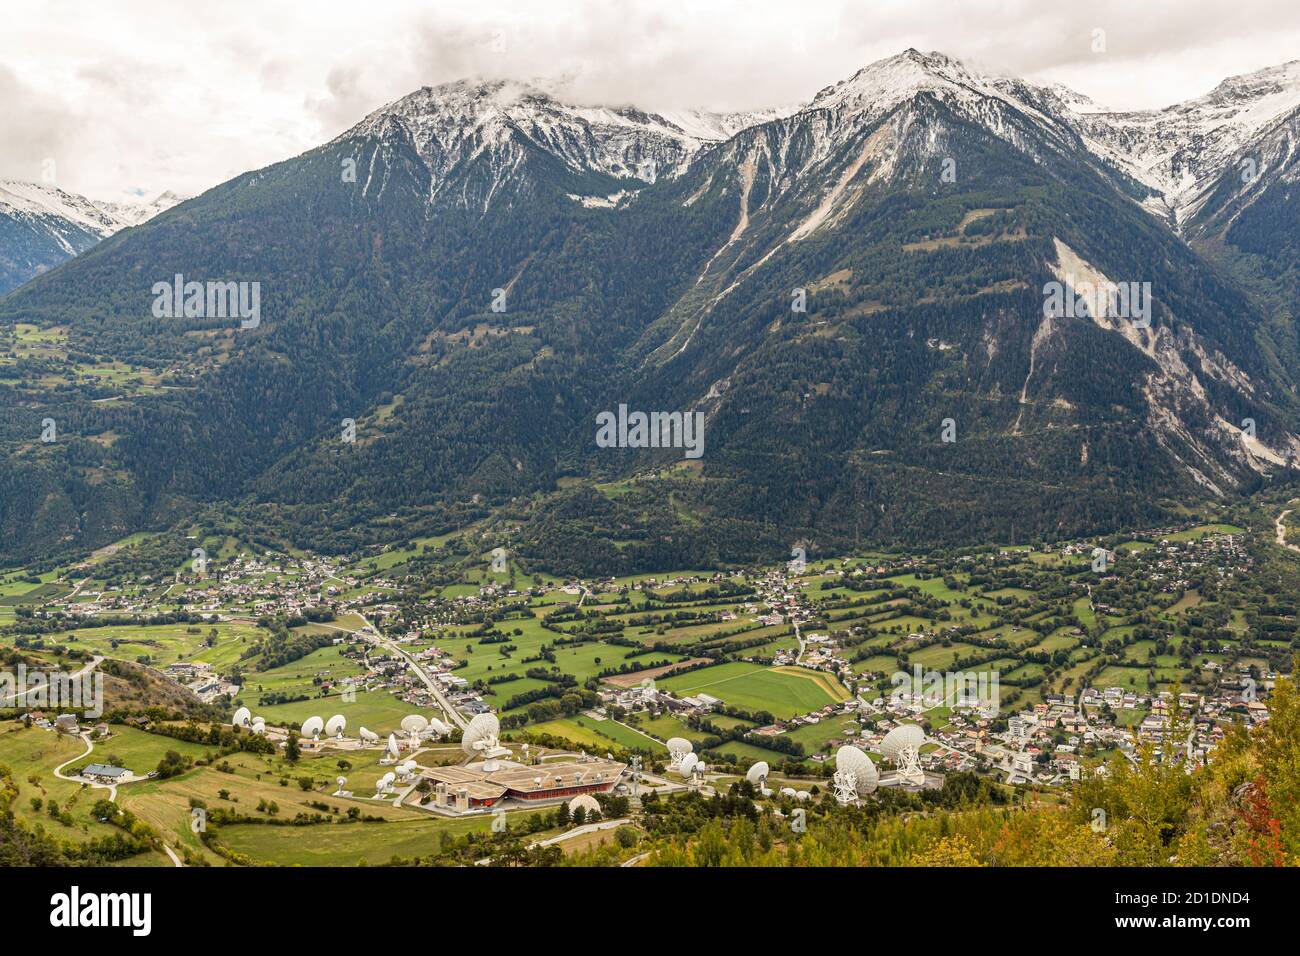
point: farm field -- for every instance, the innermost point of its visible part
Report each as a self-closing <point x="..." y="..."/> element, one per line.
<point x="783" y="692"/>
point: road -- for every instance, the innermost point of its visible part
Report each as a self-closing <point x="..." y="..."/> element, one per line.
<point x="582" y="831"/>
<point x="434" y="688"/>
<point x="1281" y="531"/>
<point x="110" y="787"/>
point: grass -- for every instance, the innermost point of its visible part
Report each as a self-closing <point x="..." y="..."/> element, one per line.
<point x="375" y="710"/>
<point x="781" y="691"/>
<point x="347" y="844"/>
<point x="32" y="753"/>
<point x="596" y="734"/>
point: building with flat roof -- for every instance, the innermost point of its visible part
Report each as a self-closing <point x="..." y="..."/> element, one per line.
<point x="465" y="789"/>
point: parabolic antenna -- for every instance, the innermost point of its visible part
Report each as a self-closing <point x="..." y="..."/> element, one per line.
<point x="259" y="726"/>
<point x="369" y="736"/>
<point x="903" y="745"/>
<point x="687" y="765"/>
<point x="335" y="726"/>
<point x="392" y="745"/>
<point x="678" y="748"/>
<point x="438" y="727"/>
<point x="414" y="723"/>
<point x="586" y="801"/>
<point x="481" y="734"/>
<point x="312" y="726"/>
<point x="855" y="775"/>
<point x="757" y="774"/>
<point x="907" y="736"/>
<point x="242" y="717"/>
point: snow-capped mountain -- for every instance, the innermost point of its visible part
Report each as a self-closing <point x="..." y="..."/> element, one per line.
<point x="1182" y="150"/>
<point x="41" y="225"/>
<point x="1177" y="153"/>
<point x="824" y="284"/>
<point x="458" y="124"/>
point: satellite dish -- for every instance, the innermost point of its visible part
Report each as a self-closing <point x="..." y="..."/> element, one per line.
<point x="687" y="764"/>
<point x="757" y="774"/>
<point x="369" y="736"/>
<point x="903" y="737"/>
<point x="481" y="734"/>
<point x="586" y="801"/>
<point x="414" y="723"/>
<point x="439" y="728"/>
<point x="903" y="745"/>
<point x="855" y="775"/>
<point x="340" y="781"/>
<point x="678" y="749"/>
<point x="312" y="726"/>
<point x="335" y="726"/>
<point x="392" y="745"/>
<point x="241" y="718"/>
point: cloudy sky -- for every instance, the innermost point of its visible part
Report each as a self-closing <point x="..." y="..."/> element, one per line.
<point x="125" y="99"/>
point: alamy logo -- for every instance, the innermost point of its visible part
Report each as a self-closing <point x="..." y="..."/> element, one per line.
<point x="74" y="909"/>
<point x="212" y="300"/>
<point x="40" y="689"/>
<point x="978" y="689"/>
<point x="1073" y="299"/>
<point x="653" y="430"/>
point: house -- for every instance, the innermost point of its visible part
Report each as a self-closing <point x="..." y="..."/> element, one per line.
<point x="105" y="773"/>
<point x="66" y="724"/>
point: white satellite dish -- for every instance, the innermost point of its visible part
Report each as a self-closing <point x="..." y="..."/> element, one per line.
<point x="757" y="774"/>
<point x="312" y="726"/>
<point x="369" y="736"/>
<point x="439" y="728"/>
<point x="687" y="765"/>
<point x="481" y="739"/>
<point x="855" y="775"/>
<point x="242" y="717"/>
<point x="903" y="745"/>
<point x="392" y="745"/>
<point x="586" y="801"/>
<point x="335" y="726"/>
<point x="678" y="748"/>
<point x="481" y="734"/>
<point x="414" y="723"/>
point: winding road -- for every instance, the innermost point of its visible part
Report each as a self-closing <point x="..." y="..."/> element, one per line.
<point x="110" y="787"/>
<point x="1281" y="531"/>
